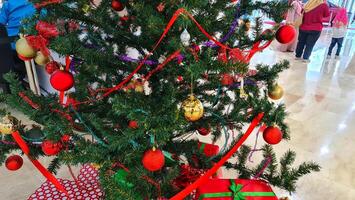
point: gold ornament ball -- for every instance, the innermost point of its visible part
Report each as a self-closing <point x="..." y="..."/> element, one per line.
<point x="193" y="109"/>
<point x="139" y="88"/>
<point x="41" y="59"/>
<point x="276" y="93"/>
<point x="24" y="49"/>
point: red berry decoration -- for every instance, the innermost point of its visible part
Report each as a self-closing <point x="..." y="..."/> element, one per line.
<point x="204" y="131"/>
<point x="286" y="34"/>
<point x="227" y="79"/>
<point x="117" y="5"/>
<point x="50" y="149"/>
<point x="14" y="162"/>
<point x="272" y="135"/>
<point x="62" y="80"/>
<point x="133" y="124"/>
<point x="65" y="138"/>
<point x="153" y="160"/>
<point x="52" y="67"/>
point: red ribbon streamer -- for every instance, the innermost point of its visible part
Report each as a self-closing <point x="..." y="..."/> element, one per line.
<point x="28" y="100"/>
<point x="50" y="177"/>
<point x="184" y="193"/>
<point x="245" y="56"/>
<point x="46" y="3"/>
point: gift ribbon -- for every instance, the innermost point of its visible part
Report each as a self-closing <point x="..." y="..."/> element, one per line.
<point x="236" y="193"/>
<point x="50" y="177"/>
<point x="203" y="179"/>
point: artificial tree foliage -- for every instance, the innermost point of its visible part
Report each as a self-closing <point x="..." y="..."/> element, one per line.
<point x="102" y="37"/>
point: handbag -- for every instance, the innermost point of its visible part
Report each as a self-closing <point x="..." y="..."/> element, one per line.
<point x="299" y="20"/>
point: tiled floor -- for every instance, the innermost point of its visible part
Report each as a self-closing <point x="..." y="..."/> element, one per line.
<point x="320" y="99"/>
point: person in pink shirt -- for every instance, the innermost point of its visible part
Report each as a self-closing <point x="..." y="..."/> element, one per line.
<point x="292" y="15"/>
<point x="311" y="27"/>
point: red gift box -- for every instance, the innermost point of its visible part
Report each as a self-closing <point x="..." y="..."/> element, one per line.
<point x="208" y="149"/>
<point x="239" y="189"/>
<point x="87" y="187"/>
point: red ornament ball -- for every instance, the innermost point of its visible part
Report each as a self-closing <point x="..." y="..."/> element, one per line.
<point x="50" y="148"/>
<point x="272" y="135"/>
<point x="133" y="124"/>
<point x="153" y="160"/>
<point x="14" y="162"/>
<point x="227" y="79"/>
<point x="286" y="34"/>
<point x="117" y="5"/>
<point x="51" y="67"/>
<point x="204" y="131"/>
<point x="62" y="80"/>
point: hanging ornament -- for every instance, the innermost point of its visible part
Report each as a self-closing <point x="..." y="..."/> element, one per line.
<point x="24" y="49"/>
<point x="6" y="125"/>
<point x="242" y="94"/>
<point x="133" y="124"/>
<point x="153" y="159"/>
<point x="161" y="7"/>
<point x="50" y="148"/>
<point x="40" y="59"/>
<point x="227" y="79"/>
<point x="286" y="34"/>
<point x="204" y="131"/>
<point x="272" y="135"/>
<point x="62" y="80"/>
<point x="117" y="5"/>
<point x="276" y="93"/>
<point x="14" y="162"/>
<point x="179" y="79"/>
<point x="193" y="108"/>
<point x="52" y="67"/>
<point x="185" y="38"/>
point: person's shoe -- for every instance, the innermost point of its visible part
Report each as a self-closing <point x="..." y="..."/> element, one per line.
<point x="337" y="57"/>
<point x="298" y="58"/>
<point x="329" y="57"/>
<point x="306" y="61"/>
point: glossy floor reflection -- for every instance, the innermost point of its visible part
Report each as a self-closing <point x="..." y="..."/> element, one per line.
<point x="320" y="99"/>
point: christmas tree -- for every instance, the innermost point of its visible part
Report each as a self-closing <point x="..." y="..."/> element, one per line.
<point x="139" y="79"/>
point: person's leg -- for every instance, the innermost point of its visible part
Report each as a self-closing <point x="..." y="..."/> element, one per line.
<point x="332" y="45"/>
<point x="19" y="66"/>
<point x="301" y="43"/>
<point x="311" y="40"/>
<point x="340" y="44"/>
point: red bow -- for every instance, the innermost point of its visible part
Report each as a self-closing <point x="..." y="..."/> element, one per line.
<point x="39" y="42"/>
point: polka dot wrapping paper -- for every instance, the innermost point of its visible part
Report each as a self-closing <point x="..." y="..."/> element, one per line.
<point x="87" y="187"/>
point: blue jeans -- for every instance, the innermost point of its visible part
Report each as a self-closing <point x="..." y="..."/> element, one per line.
<point x="335" y="41"/>
<point x="306" y="42"/>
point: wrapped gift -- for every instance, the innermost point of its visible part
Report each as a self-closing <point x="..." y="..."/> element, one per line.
<point x="239" y="189"/>
<point x="208" y="149"/>
<point x="87" y="187"/>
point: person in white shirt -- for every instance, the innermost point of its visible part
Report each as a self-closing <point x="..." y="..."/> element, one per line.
<point x="339" y="28"/>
